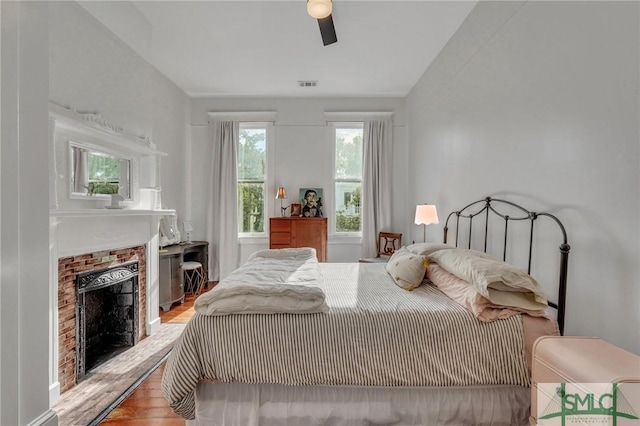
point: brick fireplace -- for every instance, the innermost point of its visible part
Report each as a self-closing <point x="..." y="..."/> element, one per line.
<point x="69" y="268"/>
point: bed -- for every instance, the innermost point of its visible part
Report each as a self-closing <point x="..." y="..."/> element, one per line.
<point x="356" y="343"/>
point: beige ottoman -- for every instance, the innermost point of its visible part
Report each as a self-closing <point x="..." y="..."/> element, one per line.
<point x="587" y="362"/>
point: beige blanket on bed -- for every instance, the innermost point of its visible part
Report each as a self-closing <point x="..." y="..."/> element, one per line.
<point x="375" y="334"/>
<point x="271" y="281"/>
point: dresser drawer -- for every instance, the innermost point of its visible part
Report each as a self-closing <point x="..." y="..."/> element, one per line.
<point x="279" y="246"/>
<point x="278" y="225"/>
<point x="280" y="238"/>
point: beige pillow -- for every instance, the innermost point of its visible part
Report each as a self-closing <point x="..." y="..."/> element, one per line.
<point x="494" y="279"/>
<point x="425" y="249"/>
<point x="407" y="269"/>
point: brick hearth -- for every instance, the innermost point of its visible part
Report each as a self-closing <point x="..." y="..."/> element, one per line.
<point x="68" y="267"/>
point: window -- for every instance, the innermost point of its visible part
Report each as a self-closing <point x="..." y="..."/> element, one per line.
<point x="348" y="176"/>
<point x="252" y="160"/>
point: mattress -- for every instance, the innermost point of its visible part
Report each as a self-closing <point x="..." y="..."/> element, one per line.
<point x="374" y="335"/>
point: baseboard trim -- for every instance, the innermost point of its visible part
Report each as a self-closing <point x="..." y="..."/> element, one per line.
<point x="48" y="418"/>
<point x="54" y="393"/>
<point x="104" y="413"/>
<point x="154" y="326"/>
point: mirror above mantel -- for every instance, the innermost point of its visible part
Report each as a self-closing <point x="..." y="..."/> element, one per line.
<point x="94" y="172"/>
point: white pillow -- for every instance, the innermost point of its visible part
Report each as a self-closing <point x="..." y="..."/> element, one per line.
<point x="407" y="269"/>
<point x="494" y="279"/>
<point x="426" y="249"/>
<point x="466" y="295"/>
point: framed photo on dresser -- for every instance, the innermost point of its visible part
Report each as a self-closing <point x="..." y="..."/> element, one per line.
<point x="296" y="209"/>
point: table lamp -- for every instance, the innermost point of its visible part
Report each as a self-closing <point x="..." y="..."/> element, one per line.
<point x="281" y="195"/>
<point x="426" y="214"/>
<point x="188" y="229"/>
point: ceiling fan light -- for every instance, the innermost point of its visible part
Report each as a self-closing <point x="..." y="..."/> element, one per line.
<point x="319" y="9"/>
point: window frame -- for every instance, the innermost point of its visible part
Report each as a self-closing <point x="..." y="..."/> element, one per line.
<point x="268" y="203"/>
<point x="335" y="125"/>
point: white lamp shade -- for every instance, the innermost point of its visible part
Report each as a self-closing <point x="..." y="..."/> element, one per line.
<point x="186" y="225"/>
<point x="281" y="194"/>
<point x="426" y="214"/>
<point x="319" y="8"/>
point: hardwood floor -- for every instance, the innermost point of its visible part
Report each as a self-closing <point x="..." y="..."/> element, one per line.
<point x="147" y="405"/>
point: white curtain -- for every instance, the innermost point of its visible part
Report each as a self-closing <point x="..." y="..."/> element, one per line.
<point x="123" y="183"/>
<point x="222" y="214"/>
<point x="80" y="170"/>
<point x="376" y="183"/>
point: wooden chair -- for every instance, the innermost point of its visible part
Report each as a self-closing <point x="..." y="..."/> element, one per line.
<point x="388" y="243"/>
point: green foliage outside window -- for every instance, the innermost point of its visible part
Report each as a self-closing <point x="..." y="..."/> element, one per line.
<point x="103" y="187"/>
<point x="104" y="174"/>
<point x="251" y="174"/>
<point x="251" y="207"/>
<point x="348" y="175"/>
<point x="346" y="222"/>
<point x="251" y="154"/>
<point x="348" y="156"/>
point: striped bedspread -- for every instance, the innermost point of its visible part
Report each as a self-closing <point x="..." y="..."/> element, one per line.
<point x="375" y="334"/>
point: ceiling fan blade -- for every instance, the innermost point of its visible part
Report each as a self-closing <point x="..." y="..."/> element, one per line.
<point x="327" y="30"/>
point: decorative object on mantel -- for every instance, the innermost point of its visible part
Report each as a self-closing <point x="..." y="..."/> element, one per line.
<point x="97" y="121"/>
<point x="282" y="195"/>
<point x="147" y="140"/>
<point x="151" y="198"/>
<point x="115" y="201"/>
<point x="97" y="118"/>
<point x="426" y="214"/>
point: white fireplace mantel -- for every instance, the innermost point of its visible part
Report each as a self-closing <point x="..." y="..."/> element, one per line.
<point x="91" y="230"/>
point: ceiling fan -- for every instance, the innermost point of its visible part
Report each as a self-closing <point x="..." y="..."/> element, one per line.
<point x="321" y="10"/>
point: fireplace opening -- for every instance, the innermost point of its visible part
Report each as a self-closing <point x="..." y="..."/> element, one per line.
<point x="106" y="315"/>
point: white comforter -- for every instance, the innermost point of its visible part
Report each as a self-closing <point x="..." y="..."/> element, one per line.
<point x="271" y="281"/>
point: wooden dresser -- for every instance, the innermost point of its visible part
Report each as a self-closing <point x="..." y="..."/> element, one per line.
<point x="292" y="232"/>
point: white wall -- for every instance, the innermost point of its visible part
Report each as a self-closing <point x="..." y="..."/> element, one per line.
<point x="24" y="220"/>
<point x="538" y="102"/>
<point x="170" y="108"/>
<point x="92" y="70"/>
<point x="303" y="157"/>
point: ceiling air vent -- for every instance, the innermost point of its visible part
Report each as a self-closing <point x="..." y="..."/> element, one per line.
<point x="307" y="83"/>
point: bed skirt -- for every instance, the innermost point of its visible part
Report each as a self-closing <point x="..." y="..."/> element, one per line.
<point x="231" y="404"/>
